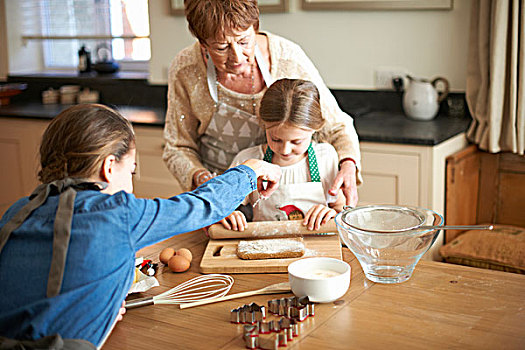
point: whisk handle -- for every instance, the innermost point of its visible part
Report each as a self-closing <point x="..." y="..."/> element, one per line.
<point x="235" y="296"/>
<point x="215" y="300"/>
<point x="139" y="302"/>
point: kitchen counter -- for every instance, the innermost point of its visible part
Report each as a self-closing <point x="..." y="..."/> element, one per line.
<point x="440" y="306"/>
<point x="381" y="126"/>
<point x="395" y="127"/>
<point x="140" y="115"/>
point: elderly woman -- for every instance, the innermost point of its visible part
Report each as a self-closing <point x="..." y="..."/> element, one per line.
<point x="215" y="87"/>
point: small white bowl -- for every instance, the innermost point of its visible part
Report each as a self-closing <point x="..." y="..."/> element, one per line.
<point x="321" y="279"/>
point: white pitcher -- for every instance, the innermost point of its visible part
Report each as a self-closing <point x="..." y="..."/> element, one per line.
<point x="421" y="99"/>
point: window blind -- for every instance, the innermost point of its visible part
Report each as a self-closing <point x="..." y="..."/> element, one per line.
<point x="64" y="26"/>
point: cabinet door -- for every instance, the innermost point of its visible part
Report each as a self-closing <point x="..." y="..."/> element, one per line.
<point x="152" y="178"/>
<point x="389" y="178"/>
<point x="19" y="144"/>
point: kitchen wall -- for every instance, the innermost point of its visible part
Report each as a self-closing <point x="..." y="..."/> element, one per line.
<point x="346" y="46"/>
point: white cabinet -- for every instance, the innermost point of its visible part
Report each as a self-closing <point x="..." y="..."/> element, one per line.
<point x="408" y="175"/>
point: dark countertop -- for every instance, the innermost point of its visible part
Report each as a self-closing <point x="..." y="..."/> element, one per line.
<point x="375" y="126"/>
<point x="395" y="127"/>
<point x="138" y="115"/>
<point x="378" y="115"/>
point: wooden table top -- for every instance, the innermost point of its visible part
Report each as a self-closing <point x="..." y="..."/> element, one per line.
<point x="440" y="306"/>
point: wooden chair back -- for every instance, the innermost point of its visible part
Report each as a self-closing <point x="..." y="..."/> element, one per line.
<point x="483" y="188"/>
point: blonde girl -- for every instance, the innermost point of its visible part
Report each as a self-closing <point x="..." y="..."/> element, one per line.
<point x="291" y="115"/>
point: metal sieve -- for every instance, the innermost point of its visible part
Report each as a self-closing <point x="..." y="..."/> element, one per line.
<point x="393" y="219"/>
<point x="383" y="218"/>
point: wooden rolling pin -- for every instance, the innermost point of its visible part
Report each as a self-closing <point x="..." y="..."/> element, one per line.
<point x="271" y="229"/>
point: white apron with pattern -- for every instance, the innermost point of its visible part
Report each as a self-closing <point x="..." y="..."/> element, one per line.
<point x="231" y="129"/>
<point x="285" y="202"/>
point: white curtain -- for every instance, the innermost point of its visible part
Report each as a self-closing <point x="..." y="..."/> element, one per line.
<point x="496" y="75"/>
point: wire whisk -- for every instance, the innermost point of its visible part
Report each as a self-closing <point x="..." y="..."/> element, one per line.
<point x="200" y="288"/>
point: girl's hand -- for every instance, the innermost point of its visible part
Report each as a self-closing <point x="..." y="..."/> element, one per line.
<point x="318" y="215"/>
<point x="235" y="221"/>
<point x="122" y="311"/>
<point x="346" y="180"/>
<point x="266" y="172"/>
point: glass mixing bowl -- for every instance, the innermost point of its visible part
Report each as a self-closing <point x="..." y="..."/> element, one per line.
<point x="386" y="239"/>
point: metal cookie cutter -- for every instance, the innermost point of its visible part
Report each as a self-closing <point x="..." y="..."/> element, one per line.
<point x="270" y="335"/>
<point x="293" y="308"/>
<point x="248" y="313"/>
<point x="253" y="339"/>
<point x="274" y="333"/>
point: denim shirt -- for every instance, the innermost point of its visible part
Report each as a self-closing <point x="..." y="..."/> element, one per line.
<point x="106" y="232"/>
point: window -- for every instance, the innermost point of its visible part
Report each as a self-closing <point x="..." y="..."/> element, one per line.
<point x="64" y="26"/>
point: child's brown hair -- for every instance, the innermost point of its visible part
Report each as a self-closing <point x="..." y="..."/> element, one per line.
<point x="293" y="101"/>
<point x="79" y="139"/>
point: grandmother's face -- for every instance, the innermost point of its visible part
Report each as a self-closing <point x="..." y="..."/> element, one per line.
<point x="233" y="52"/>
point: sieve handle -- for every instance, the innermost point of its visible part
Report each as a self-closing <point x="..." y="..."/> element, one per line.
<point x="139" y="302"/>
<point x="457" y="227"/>
<point x="432" y="227"/>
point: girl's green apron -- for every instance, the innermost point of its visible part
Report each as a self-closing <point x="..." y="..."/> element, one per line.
<point x="292" y="201"/>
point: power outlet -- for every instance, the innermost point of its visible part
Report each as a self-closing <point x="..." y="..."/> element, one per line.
<point x="383" y="77"/>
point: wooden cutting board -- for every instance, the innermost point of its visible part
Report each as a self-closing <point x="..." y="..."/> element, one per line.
<point x="220" y="256"/>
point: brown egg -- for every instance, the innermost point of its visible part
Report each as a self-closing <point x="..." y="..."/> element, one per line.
<point x="178" y="263"/>
<point x="166" y="254"/>
<point x="185" y="253"/>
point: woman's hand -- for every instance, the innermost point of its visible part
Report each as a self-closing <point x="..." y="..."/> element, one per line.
<point x="201" y="176"/>
<point x="266" y="173"/>
<point x="346" y="180"/>
<point x="235" y="221"/>
<point x="318" y="215"/>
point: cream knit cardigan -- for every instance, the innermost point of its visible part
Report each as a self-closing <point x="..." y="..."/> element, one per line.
<point x="190" y="106"/>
